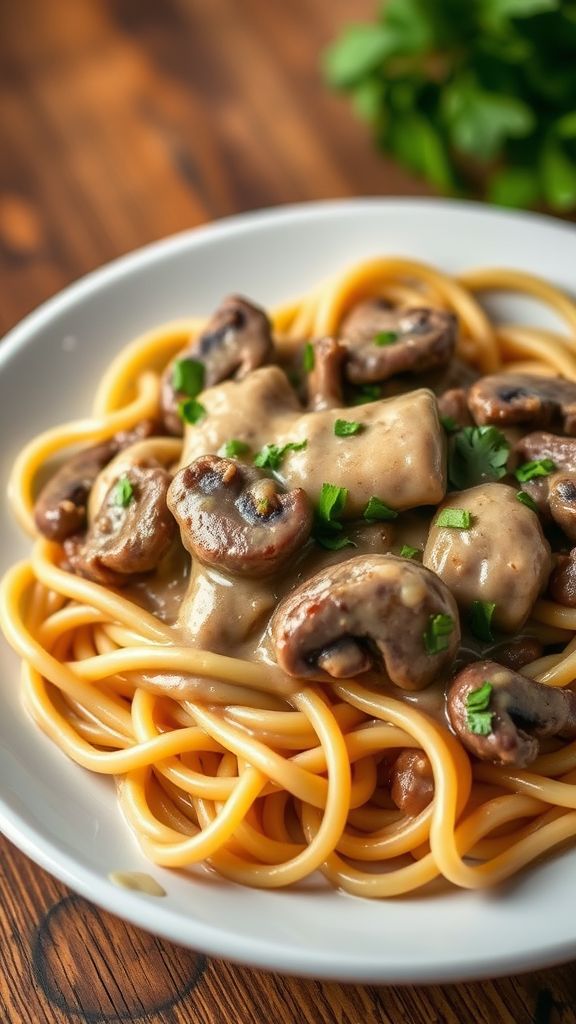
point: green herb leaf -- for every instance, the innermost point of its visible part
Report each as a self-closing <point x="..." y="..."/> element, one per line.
<point x="191" y="411"/>
<point x="477" y="454"/>
<point x="386" y="338"/>
<point x="232" y="449"/>
<point x="478" y="717"/>
<point x="458" y="518"/>
<point x="360" y="50"/>
<point x="437" y="632"/>
<point x="514" y="186"/>
<point x="271" y="455"/>
<point x="538" y="467"/>
<point x="123" y="492"/>
<point x="327" y="527"/>
<point x="367" y="393"/>
<point x="309" y="357"/>
<point x="347" y="428"/>
<point x="188" y="377"/>
<point x="407" y="551"/>
<point x="481" y="619"/>
<point x="333" y="541"/>
<point x="449" y="424"/>
<point x="526" y="499"/>
<point x="479" y="122"/>
<point x="497" y="12"/>
<point x="377" y="511"/>
<point x="331" y="503"/>
<point x="558" y="174"/>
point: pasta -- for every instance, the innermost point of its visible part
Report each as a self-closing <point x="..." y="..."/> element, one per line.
<point x="262" y="775"/>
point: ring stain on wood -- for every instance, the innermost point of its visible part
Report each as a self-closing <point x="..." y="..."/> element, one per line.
<point x="91" y="965"/>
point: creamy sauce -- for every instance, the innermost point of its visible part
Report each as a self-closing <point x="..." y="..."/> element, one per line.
<point x="138" y="881"/>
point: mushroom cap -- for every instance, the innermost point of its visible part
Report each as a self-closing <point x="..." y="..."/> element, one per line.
<point x="514" y="699"/>
<point x="369" y="611"/>
<point x="236" y="340"/>
<point x="234" y="517"/>
<point x="129" y="539"/>
<point x="419" y="339"/>
<point x="508" y="398"/>
<point x="61" y="506"/>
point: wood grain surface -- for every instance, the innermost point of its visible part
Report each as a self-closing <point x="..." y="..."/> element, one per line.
<point x="122" y="121"/>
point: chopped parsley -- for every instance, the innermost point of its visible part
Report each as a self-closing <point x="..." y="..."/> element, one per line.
<point x="309" y="357"/>
<point x="367" y="393"/>
<point x="458" y="518"/>
<point x="449" y="424"/>
<point x="386" y="338"/>
<point x="188" y="377"/>
<point x="271" y="455"/>
<point x="123" y="492"/>
<point x="437" y="632"/>
<point x="477" y="454"/>
<point x="407" y="551"/>
<point x="331" y="503"/>
<point x="481" y="619"/>
<point x="191" y="411"/>
<point x="478" y="717"/>
<point x="538" y="467"/>
<point x="347" y="428"/>
<point x="378" y="511"/>
<point x="233" y="448"/>
<point x="327" y="525"/>
<point x="526" y="499"/>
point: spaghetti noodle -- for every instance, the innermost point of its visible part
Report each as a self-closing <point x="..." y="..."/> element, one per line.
<point x="264" y="777"/>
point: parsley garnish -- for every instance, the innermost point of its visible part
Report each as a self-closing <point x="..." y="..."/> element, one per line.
<point x="477" y="454"/>
<point x="271" y="455"/>
<point x="327" y="527"/>
<point x="367" y="393"/>
<point x="437" y="632"/>
<point x="347" y="428"/>
<point x="124" y="492"/>
<point x="231" y="449"/>
<point x="188" y="377"/>
<point x="526" y="499"/>
<point x="409" y="552"/>
<point x="309" y="357"/>
<point x="459" y="518"/>
<point x="538" y="467"/>
<point x="449" y="424"/>
<point x="481" y="619"/>
<point x="386" y="338"/>
<point x="191" y="411"/>
<point x="478" y="718"/>
<point x="378" y="511"/>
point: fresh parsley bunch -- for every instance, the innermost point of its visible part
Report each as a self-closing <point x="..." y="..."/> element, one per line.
<point x="470" y="93"/>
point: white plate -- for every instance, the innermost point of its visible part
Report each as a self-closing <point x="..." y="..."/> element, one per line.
<point x="67" y="819"/>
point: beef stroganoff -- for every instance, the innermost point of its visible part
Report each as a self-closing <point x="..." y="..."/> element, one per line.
<point x="305" y="584"/>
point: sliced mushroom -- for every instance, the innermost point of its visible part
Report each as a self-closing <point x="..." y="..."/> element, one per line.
<point x="508" y="398"/>
<point x="453" y="405"/>
<point x="237" y="519"/>
<point x="502" y="557"/>
<point x="382" y="342"/>
<point x="236" y="341"/>
<point x="412" y="782"/>
<point x="562" y="587"/>
<point x="61" y="506"/>
<point x="368" y="612"/>
<point x="325" y="378"/>
<point x="562" y="502"/>
<point x="516" y="653"/>
<point x="519" y="712"/>
<point x="541" y="445"/>
<point x="131" y="533"/>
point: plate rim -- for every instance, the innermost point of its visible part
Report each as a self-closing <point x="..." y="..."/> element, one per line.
<point x="139" y="910"/>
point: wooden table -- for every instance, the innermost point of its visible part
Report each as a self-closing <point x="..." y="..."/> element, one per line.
<point x="122" y="121"/>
